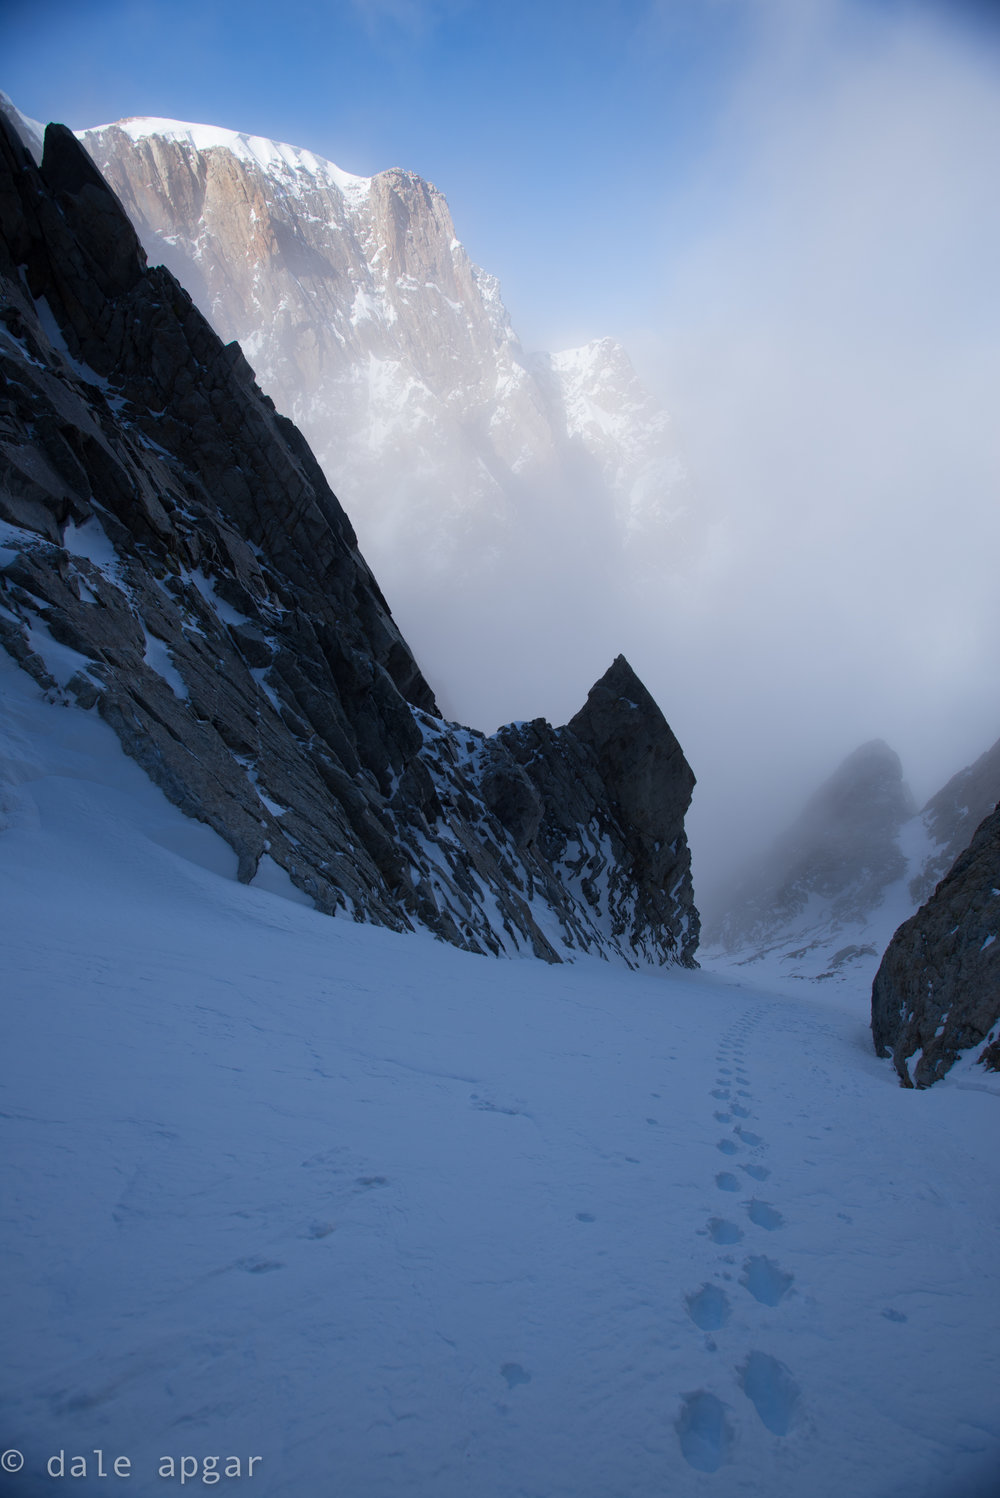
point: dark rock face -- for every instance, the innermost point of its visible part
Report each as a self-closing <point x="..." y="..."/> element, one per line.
<point x="831" y="868"/>
<point x="611" y="791"/>
<point x="937" y="991"/>
<point x="171" y="554"/>
<point x="952" y="816"/>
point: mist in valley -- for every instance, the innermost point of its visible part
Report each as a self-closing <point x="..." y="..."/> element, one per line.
<point x="830" y="352"/>
<point x="827" y="345"/>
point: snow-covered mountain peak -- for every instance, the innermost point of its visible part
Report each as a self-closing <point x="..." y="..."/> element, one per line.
<point x="602" y="393"/>
<point x="277" y="158"/>
<point x="596" y="356"/>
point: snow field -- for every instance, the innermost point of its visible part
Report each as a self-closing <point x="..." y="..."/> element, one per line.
<point x="404" y="1221"/>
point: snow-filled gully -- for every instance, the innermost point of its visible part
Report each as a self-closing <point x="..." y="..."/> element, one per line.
<point x="407" y="1223"/>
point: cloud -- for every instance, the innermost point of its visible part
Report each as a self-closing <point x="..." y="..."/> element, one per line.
<point x="416" y="18"/>
<point x="832" y="345"/>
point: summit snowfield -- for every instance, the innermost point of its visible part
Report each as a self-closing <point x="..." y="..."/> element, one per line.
<point x="513" y="481"/>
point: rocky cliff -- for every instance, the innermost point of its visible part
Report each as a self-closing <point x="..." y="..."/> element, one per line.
<point x="172" y="556"/>
<point x="468" y="464"/>
<point x="937" y="991"/>
<point x="951" y="817"/>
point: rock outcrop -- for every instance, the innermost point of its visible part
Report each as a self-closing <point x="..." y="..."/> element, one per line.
<point x="937" y="991"/>
<point x="619" y="756"/>
<point x="172" y="556"/>
<point x="951" y="817"/>
<point x="467" y="463"/>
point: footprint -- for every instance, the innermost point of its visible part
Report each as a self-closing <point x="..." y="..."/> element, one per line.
<point x="722" y="1231"/>
<point x="514" y="1374"/>
<point x="771" y="1389"/>
<point x="728" y="1146"/>
<point x="739" y="1110"/>
<point x="721" y="1117"/>
<point x="726" y="1181"/>
<point x="485" y="1106"/>
<point x="743" y="1092"/>
<point x="719" y="1092"/>
<point x="764" y="1216"/>
<point x="748" y="1138"/>
<point x="724" y="1071"/>
<point x="704" y="1432"/>
<point x="891" y="1315"/>
<point x="369" y="1181"/>
<point x="759" y="1172"/>
<point x="708" y="1307"/>
<point x="766" y="1282"/>
<point x="585" y="1217"/>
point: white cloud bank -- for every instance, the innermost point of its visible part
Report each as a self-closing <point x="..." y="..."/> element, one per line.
<point x="834" y="363"/>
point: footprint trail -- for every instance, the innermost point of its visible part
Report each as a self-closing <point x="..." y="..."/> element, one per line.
<point x="707" y="1436"/>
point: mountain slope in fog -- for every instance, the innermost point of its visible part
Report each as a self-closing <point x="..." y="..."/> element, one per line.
<point x="824" y="899"/>
<point x="811" y="900"/>
<point x="836" y="896"/>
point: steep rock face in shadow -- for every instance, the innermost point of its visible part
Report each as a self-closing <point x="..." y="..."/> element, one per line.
<point x="952" y="815"/>
<point x="937" y="991"/>
<point x="610" y="792"/>
<point x="171" y="554"/>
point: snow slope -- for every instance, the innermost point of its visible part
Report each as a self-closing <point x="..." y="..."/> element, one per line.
<point x="403" y="1221"/>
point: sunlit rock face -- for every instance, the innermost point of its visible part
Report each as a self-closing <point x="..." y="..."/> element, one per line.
<point x="172" y="556"/>
<point x="464" y="460"/>
<point x="937" y="991"/>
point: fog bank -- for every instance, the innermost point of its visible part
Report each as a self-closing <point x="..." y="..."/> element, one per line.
<point x="829" y="347"/>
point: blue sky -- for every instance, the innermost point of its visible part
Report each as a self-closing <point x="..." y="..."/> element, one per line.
<point x="544" y="123"/>
<point x="538" y="121"/>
